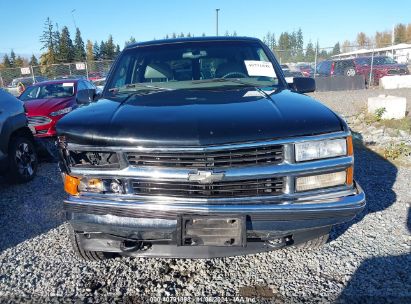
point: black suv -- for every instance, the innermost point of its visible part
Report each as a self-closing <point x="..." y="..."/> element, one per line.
<point x="199" y="148"/>
<point x="343" y="67"/>
<point x="18" y="158"/>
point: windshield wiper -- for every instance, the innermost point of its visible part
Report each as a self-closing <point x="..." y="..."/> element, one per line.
<point x="136" y="88"/>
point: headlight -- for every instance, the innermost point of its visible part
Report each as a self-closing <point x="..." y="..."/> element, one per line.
<point x="61" y="112"/>
<point x="321" y="149"/>
<point x="97" y="185"/>
<point x="312" y="182"/>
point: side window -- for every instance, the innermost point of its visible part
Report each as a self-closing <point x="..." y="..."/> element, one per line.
<point x="89" y="85"/>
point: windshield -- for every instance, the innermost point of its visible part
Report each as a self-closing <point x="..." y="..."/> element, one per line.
<point x="192" y="65"/>
<point x="383" y="60"/>
<point x="55" y="90"/>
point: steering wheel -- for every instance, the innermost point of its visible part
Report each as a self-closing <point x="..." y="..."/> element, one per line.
<point x="234" y="75"/>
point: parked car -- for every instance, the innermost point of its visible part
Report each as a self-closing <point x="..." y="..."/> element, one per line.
<point x="100" y="83"/>
<point x="343" y="67"/>
<point x="18" y="85"/>
<point x="170" y="163"/>
<point x="18" y="158"/>
<point x="305" y="69"/>
<point x="381" y="66"/>
<point x="47" y="102"/>
<point x="93" y="76"/>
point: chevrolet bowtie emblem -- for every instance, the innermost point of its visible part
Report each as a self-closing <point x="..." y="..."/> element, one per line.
<point x="205" y="177"/>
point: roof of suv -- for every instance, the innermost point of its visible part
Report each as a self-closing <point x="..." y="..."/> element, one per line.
<point x="192" y="39"/>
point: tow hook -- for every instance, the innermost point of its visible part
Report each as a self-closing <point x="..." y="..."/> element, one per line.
<point x="131" y="246"/>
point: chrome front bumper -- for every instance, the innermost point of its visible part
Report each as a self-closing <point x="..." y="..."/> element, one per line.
<point x="107" y="222"/>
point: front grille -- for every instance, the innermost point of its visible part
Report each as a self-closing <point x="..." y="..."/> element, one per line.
<point x="242" y="188"/>
<point x="269" y="155"/>
<point x="42" y="131"/>
<point x="393" y="72"/>
<point x="38" y="120"/>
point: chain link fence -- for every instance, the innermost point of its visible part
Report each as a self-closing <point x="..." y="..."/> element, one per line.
<point x="10" y="78"/>
<point x="347" y="64"/>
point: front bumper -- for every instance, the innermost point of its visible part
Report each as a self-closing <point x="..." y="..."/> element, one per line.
<point x="106" y="224"/>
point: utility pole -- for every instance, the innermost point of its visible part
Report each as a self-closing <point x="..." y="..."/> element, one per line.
<point x="216" y="11"/>
<point x="74" y="21"/>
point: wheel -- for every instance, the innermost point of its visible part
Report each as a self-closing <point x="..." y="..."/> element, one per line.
<point x="234" y="75"/>
<point x="350" y="72"/>
<point x="23" y="160"/>
<point x="314" y="243"/>
<point x="85" y="254"/>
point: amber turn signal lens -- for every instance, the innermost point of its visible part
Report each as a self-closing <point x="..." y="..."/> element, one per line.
<point x="350" y="176"/>
<point x="71" y="184"/>
<point x="350" y="148"/>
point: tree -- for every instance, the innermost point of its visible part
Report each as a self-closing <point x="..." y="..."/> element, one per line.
<point x="79" y="51"/>
<point x="408" y="33"/>
<point x="117" y="50"/>
<point x="383" y="39"/>
<point x="110" y="48"/>
<point x="13" y="58"/>
<point x="203" y="34"/>
<point x="132" y="40"/>
<point x="33" y="60"/>
<point x="299" y="45"/>
<point x="19" y="62"/>
<point x="310" y="52"/>
<point x="6" y="61"/>
<point x="226" y="33"/>
<point x="102" y="49"/>
<point x="235" y="34"/>
<point x="89" y="51"/>
<point x="362" y="40"/>
<point x="346" y="46"/>
<point x="336" y="49"/>
<point x="49" y="40"/>
<point x="96" y="51"/>
<point x="400" y="33"/>
<point x="66" y="49"/>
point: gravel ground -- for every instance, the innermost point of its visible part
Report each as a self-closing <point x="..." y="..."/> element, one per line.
<point x="366" y="260"/>
<point x="357" y="100"/>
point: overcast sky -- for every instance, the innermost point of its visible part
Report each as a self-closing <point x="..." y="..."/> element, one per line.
<point x="328" y="21"/>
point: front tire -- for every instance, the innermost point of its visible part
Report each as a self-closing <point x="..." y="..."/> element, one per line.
<point x="85" y="254"/>
<point x="22" y="159"/>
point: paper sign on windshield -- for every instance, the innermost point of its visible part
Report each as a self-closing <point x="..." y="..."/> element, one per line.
<point x="259" y="68"/>
<point x="68" y="84"/>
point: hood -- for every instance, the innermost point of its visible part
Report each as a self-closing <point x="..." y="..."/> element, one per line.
<point x="197" y="118"/>
<point x="46" y="106"/>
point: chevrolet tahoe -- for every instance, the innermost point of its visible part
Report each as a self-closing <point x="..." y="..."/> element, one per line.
<point x="199" y="148"/>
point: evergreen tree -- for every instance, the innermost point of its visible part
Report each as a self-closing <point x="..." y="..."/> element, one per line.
<point x="226" y="33"/>
<point x="13" y="58"/>
<point x="235" y="34"/>
<point x="110" y="48"/>
<point x="299" y="45"/>
<point x="6" y="61"/>
<point x="203" y="34"/>
<point x="19" y="62"/>
<point x="174" y="35"/>
<point x="102" y="49"/>
<point x="336" y="49"/>
<point x="188" y="35"/>
<point x="131" y="41"/>
<point x="117" y="50"/>
<point x="310" y="52"/>
<point x="66" y="49"/>
<point x="33" y="60"/>
<point x="79" y="51"/>
<point x="181" y="35"/>
<point x="89" y="51"/>
<point x="96" y="51"/>
<point x="49" y="41"/>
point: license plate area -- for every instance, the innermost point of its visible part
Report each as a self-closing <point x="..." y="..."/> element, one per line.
<point x="227" y="231"/>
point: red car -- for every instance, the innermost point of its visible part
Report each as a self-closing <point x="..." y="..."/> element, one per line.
<point x="381" y="66"/>
<point x="47" y="102"/>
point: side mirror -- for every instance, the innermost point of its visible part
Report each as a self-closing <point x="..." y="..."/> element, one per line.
<point x="303" y="84"/>
<point x="84" y="97"/>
